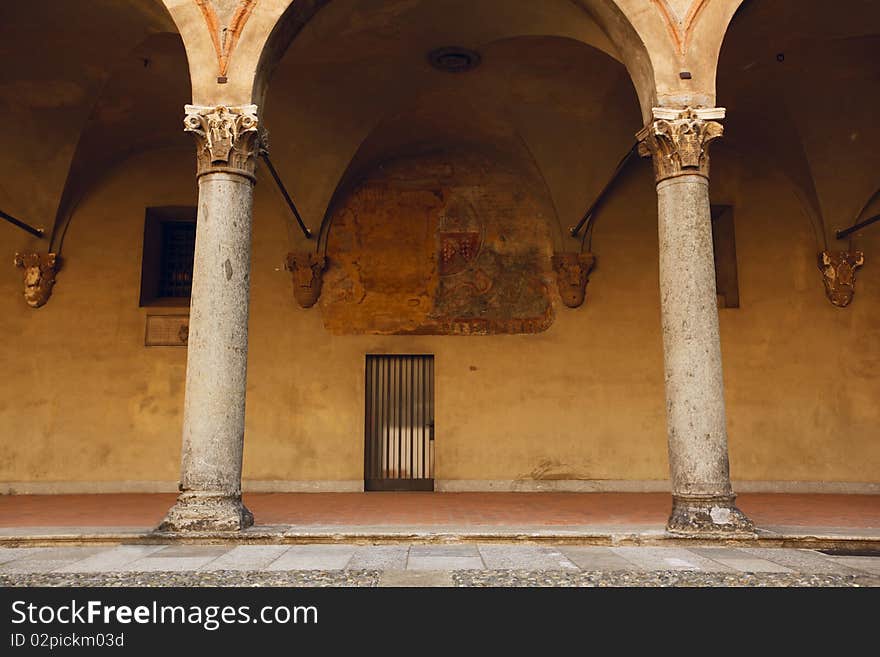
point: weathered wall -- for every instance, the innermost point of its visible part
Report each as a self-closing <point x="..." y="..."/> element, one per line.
<point x="85" y="401"/>
<point x="583" y="400"/>
<point x="507" y="407"/>
<point x="89" y="401"/>
<point x="454" y="243"/>
<point x="801" y="376"/>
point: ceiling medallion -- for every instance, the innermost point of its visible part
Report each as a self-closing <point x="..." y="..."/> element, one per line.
<point x="453" y="59"/>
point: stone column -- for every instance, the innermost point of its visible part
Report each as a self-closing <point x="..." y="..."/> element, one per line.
<point x="702" y="497"/>
<point x="213" y="421"/>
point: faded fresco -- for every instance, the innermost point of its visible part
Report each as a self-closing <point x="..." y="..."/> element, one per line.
<point x="440" y="246"/>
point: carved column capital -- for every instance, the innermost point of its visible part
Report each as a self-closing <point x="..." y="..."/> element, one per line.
<point x="678" y="140"/>
<point x="228" y="139"/>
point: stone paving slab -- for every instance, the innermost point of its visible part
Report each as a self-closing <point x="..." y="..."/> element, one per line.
<point x="445" y="563"/>
<point x="40" y="566"/>
<point x="191" y="551"/>
<point x="596" y="558"/>
<point x="11" y="554"/>
<point x="314" y="557"/>
<point x="869" y="565"/>
<point x="444" y="551"/>
<point x="801" y="560"/>
<point x="44" y="560"/>
<point x="648" y="559"/>
<point x="117" y="558"/>
<point x="247" y="557"/>
<point x="62" y="553"/>
<point x="415" y="578"/>
<point x="380" y="557"/>
<point x="418" y="559"/>
<point x="503" y="557"/>
<point x="740" y="561"/>
<point x="165" y="564"/>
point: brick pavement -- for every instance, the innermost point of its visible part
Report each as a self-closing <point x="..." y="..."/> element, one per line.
<point x="427" y="509"/>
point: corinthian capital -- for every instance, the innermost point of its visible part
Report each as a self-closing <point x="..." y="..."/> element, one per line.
<point x="228" y="138"/>
<point x="678" y="140"/>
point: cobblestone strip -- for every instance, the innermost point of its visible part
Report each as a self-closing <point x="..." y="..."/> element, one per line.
<point x="680" y="578"/>
<point x="294" y="578"/>
<point x="459" y="578"/>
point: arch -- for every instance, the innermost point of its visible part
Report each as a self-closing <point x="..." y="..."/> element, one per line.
<point x="50" y="78"/>
<point x="138" y="109"/>
<point x="51" y="85"/>
<point x="704" y="29"/>
<point x="610" y="30"/>
<point x="201" y="28"/>
<point x="550" y="100"/>
<point x="418" y="137"/>
<point x="780" y="73"/>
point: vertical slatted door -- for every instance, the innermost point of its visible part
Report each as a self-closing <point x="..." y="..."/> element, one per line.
<point x="399" y="427"/>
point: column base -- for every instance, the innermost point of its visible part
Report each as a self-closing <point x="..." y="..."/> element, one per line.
<point x="708" y="516"/>
<point x="207" y="512"/>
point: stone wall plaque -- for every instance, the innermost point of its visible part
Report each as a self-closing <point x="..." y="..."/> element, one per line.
<point x="167" y="331"/>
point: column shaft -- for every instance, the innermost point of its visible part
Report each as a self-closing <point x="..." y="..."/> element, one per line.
<point x="216" y="375"/>
<point x="695" y="415"/>
<point x="691" y="342"/>
<point x="702" y="496"/>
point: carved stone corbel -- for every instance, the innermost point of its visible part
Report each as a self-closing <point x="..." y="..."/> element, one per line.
<point x="308" y="276"/>
<point x="572" y="275"/>
<point x="228" y="138"/>
<point x="39" y="276"/>
<point x="678" y="141"/>
<point x="839" y="274"/>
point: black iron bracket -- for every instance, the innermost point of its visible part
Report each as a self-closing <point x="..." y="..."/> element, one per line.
<point x="283" y="190"/>
<point x="631" y="153"/>
<point x="36" y="232"/>
<point x="840" y="234"/>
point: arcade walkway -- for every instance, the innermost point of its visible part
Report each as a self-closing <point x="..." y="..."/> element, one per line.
<point x="438" y="539"/>
<point x="363" y="516"/>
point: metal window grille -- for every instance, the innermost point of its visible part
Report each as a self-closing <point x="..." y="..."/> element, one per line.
<point x="178" y="250"/>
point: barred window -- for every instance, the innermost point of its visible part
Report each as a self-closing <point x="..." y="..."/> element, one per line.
<point x="178" y="247"/>
<point x="169" y="249"/>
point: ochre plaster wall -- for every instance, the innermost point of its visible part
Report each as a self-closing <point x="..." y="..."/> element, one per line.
<point x="507" y="407"/>
<point x="86" y="401"/>
<point x="802" y="377"/>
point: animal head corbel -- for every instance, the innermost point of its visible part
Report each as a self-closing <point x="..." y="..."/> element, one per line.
<point x="839" y="274"/>
<point x="39" y="276"/>
<point x="308" y="276"/>
<point x="572" y="274"/>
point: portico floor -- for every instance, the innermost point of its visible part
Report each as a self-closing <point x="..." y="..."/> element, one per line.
<point x="801" y="520"/>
